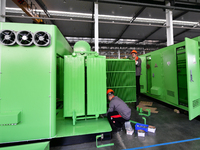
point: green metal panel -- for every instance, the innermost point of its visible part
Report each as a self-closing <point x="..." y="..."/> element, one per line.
<point x="170" y="74"/>
<point x="10" y="118"/>
<point x="148" y="74"/>
<point x="143" y="84"/>
<point x="74" y="85"/>
<point x="121" y="78"/>
<point x="96" y="85"/>
<point x="157" y="74"/>
<point x="28" y="85"/>
<point x="182" y="76"/>
<point x="60" y="78"/>
<point x="35" y="146"/>
<point x="192" y="63"/>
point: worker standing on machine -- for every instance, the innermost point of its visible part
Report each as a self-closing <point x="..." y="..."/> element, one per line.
<point x="118" y="112"/>
<point x="138" y="62"/>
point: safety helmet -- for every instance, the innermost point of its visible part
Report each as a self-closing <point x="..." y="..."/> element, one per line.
<point x="109" y="91"/>
<point x="134" y="51"/>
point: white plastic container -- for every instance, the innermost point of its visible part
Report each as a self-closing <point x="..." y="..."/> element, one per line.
<point x="141" y="133"/>
<point x="152" y="129"/>
<point x="128" y="127"/>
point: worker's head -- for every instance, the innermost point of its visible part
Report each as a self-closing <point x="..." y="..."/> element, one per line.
<point x="134" y="53"/>
<point x="110" y="94"/>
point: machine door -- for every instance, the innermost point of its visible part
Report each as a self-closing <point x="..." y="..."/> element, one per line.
<point x="192" y="65"/>
<point x="143" y="79"/>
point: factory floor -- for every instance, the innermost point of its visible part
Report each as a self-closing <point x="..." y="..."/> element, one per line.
<point x="174" y="131"/>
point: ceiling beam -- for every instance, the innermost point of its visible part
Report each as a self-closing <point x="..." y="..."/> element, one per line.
<point x="156" y="46"/>
<point x="154" y="31"/>
<point x="127" y="26"/>
<point x="44" y="8"/>
<point x="154" y="4"/>
<point x="27" y="9"/>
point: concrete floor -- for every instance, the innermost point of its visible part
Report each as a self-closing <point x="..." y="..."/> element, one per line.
<point x="173" y="132"/>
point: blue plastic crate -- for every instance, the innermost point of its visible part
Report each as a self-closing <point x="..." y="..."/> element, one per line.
<point x="139" y="126"/>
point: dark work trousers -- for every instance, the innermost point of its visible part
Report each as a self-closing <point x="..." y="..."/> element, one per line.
<point x="118" y="121"/>
<point x="137" y="88"/>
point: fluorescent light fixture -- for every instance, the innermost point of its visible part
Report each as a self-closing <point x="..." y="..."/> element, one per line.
<point x="107" y="17"/>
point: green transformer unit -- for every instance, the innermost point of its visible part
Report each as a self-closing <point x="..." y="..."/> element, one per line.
<point x="121" y="77"/>
<point x="84" y="83"/>
<point x="172" y="75"/>
<point x="30" y="57"/>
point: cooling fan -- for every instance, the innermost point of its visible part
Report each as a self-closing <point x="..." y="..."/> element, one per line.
<point x="24" y="38"/>
<point x="7" y="37"/>
<point x="41" y="38"/>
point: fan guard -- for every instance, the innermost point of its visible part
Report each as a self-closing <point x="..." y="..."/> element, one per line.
<point x="41" y="38"/>
<point x="7" y="37"/>
<point x="24" y="38"/>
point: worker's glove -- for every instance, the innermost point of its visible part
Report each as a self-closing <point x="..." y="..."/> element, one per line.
<point x="136" y="62"/>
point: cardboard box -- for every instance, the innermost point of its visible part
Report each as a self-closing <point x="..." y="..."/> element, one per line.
<point x="141" y="133"/>
<point x="152" y="129"/>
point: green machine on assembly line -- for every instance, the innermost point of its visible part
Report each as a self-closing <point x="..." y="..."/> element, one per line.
<point x="172" y="75"/>
<point x="30" y="56"/>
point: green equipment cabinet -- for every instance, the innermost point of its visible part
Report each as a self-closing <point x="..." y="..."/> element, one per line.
<point x="121" y="77"/>
<point x="29" y="54"/>
<point x="84" y="83"/>
<point x="171" y="75"/>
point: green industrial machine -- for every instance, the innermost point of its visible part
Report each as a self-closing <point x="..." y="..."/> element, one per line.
<point x="28" y="56"/>
<point x="84" y="83"/>
<point x="171" y="75"/>
<point x="45" y="86"/>
<point x="121" y="78"/>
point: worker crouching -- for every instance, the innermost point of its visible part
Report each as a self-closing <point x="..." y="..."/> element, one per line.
<point x="118" y="112"/>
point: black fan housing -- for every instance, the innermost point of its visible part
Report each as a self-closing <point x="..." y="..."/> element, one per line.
<point x="7" y="37"/>
<point x="24" y="38"/>
<point x="41" y="38"/>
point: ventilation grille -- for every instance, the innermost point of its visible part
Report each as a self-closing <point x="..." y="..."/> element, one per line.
<point x="121" y="78"/>
<point x="196" y="103"/>
<point x="41" y="38"/>
<point x="24" y="38"/>
<point x="170" y="93"/>
<point x="7" y="37"/>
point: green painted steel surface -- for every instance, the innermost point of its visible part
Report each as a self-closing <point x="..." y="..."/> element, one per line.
<point x="193" y="74"/>
<point x="182" y="76"/>
<point x="157" y="75"/>
<point x="60" y="78"/>
<point x="10" y="118"/>
<point x="121" y="78"/>
<point x="96" y="85"/>
<point x="82" y="46"/>
<point x="28" y="84"/>
<point x="179" y="72"/>
<point x="74" y="86"/>
<point x="35" y="146"/>
<point x="143" y="84"/>
<point x="170" y="74"/>
<point x="149" y="74"/>
<point x="65" y="128"/>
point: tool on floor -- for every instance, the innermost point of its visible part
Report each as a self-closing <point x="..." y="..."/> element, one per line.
<point x="104" y="145"/>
